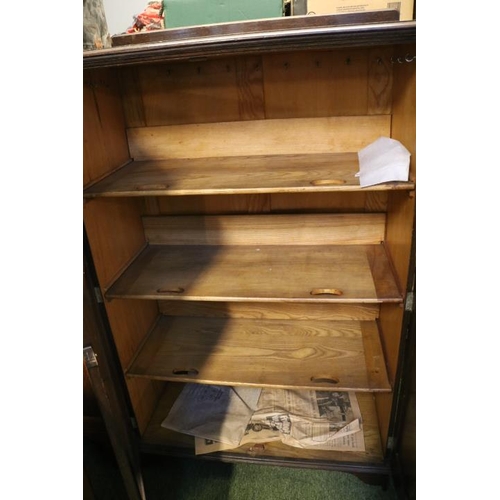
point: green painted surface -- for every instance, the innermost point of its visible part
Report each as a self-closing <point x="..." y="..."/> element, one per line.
<point x="179" y="13"/>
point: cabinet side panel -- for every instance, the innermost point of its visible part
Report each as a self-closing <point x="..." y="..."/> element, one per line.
<point x="105" y="145"/>
<point x="116" y="236"/>
<point x="400" y="219"/>
<point x="404" y="104"/>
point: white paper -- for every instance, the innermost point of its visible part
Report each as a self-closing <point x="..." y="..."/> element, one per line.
<point x="309" y="419"/>
<point x="212" y="412"/>
<point x="384" y="160"/>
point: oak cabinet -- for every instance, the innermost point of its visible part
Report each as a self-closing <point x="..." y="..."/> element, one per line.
<point x="231" y="240"/>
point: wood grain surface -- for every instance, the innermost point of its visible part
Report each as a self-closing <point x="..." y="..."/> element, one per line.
<point x="156" y="435"/>
<point x="327" y="355"/>
<point x="248" y="273"/>
<point x="338" y="134"/>
<point x="239" y="175"/>
<point x="256" y="230"/>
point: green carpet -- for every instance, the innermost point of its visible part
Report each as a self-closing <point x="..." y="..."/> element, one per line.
<point x="190" y="479"/>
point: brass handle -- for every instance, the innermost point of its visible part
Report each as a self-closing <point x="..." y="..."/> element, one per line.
<point x="326" y="291"/>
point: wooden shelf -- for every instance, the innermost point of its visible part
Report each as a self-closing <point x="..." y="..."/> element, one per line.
<point x="238" y="175"/>
<point x="157" y="438"/>
<point x="294" y="354"/>
<point x="269" y="273"/>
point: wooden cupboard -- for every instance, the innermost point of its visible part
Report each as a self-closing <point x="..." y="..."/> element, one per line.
<point x="229" y="240"/>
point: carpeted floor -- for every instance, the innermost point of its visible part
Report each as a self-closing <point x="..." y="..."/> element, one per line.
<point x="191" y="479"/>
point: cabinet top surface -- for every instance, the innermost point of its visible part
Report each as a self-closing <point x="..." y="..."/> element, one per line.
<point x="268" y="35"/>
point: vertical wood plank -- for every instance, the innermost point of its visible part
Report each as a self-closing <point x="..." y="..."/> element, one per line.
<point x="249" y="81"/>
<point x="189" y="92"/>
<point x="380" y="81"/>
<point x="133" y="107"/>
<point x="307" y="84"/>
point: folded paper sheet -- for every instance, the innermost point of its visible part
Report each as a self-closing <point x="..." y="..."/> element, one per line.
<point x="212" y="412"/>
<point x="383" y="160"/>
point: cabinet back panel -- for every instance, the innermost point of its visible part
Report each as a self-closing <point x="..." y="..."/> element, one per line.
<point x="257" y="137"/>
<point x="260" y="310"/>
<point x="303" y="229"/>
<point x="267" y="203"/>
<point x="340" y="82"/>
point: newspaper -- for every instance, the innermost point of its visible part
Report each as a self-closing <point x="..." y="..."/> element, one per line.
<point x="322" y="420"/>
<point x="212" y="412"/>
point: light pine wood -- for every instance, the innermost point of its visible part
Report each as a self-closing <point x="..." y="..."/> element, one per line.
<point x="156" y="435"/>
<point x="404" y="123"/>
<point x="105" y="145"/>
<point x="225" y="89"/>
<point x="336" y="84"/>
<point x="334" y="202"/>
<point x="218" y="204"/>
<point x="116" y="235"/>
<point x="264" y="353"/>
<point x="277" y="107"/>
<point x="133" y="106"/>
<point x="259" y="274"/>
<point x="323" y="202"/>
<point x="238" y="175"/>
<point x="380" y="80"/>
<point x="257" y="230"/>
<point x="257" y="137"/>
<point x="401" y="212"/>
<point x="259" y="310"/>
<point x="144" y="394"/>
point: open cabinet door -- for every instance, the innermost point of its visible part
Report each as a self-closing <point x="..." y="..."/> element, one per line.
<point x="107" y="383"/>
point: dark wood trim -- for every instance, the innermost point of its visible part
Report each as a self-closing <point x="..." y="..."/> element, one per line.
<point x="264" y="41"/>
<point x="382" y="468"/>
<point x="403" y="390"/>
<point x="107" y="384"/>
<point x="258" y="26"/>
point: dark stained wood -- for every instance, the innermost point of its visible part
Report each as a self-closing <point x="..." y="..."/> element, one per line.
<point x="243" y="27"/>
<point x="107" y="384"/>
<point x="263" y="41"/>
